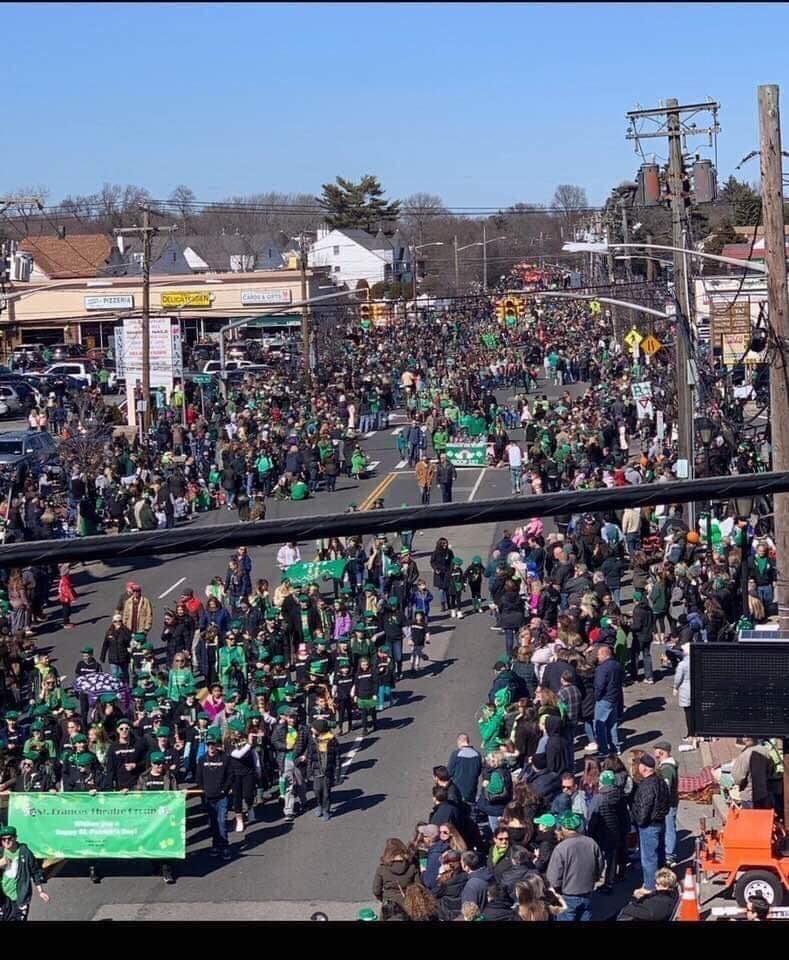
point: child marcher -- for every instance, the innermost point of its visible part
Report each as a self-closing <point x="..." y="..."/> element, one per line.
<point x="419" y="637"/>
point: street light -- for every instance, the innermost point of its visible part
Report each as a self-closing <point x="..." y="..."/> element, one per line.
<point x="744" y="507"/>
<point x="414" y="248"/>
<point x="478" y="243"/>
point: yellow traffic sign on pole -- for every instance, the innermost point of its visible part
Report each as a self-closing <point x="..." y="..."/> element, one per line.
<point x="594" y="307"/>
<point x="650" y="345"/>
<point x="633" y="338"/>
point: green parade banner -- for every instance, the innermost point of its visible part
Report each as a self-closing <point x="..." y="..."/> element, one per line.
<point x="319" y="569"/>
<point x="468" y="454"/>
<point x="84" y="826"/>
<point x="490" y="340"/>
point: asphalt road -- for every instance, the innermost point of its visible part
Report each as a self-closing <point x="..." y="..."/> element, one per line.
<point x="286" y="872"/>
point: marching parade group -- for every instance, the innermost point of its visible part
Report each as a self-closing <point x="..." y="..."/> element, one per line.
<point x="243" y="689"/>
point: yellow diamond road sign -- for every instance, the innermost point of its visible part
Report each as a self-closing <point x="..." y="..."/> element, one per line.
<point x="633" y="338"/>
<point x="651" y="345"/>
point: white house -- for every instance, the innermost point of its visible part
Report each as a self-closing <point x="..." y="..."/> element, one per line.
<point x="353" y="255"/>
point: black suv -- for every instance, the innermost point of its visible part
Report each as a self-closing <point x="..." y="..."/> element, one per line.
<point x="25" y="453"/>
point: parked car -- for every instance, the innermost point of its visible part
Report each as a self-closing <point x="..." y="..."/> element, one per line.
<point x="214" y="366"/>
<point x="31" y="353"/>
<point x="27" y="392"/>
<point x="12" y="400"/>
<point x="26" y="453"/>
<point x="66" y="351"/>
<point x="82" y="370"/>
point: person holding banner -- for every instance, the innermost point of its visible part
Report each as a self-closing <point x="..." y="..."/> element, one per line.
<point x="20" y="872"/>
<point x="159" y="777"/>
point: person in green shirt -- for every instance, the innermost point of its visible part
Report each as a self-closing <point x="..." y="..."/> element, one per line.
<point x="232" y="661"/>
<point x="299" y="490"/>
<point x="20" y="872"/>
<point x="440" y="440"/>
<point x="180" y="680"/>
<point x="358" y="463"/>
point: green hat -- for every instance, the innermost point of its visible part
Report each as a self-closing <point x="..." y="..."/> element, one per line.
<point x="367" y="914"/>
<point x="289" y="711"/>
<point x="214" y="732"/>
<point x="317" y="667"/>
<point x="12" y="714"/>
<point x="272" y="614"/>
<point x="395" y="570"/>
<point x="290" y="690"/>
<point x="303" y="598"/>
<point x="457" y="562"/>
<point x="264" y="653"/>
<point x="139" y="635"/>
<point x="69" y="703"/>
<point x="147" y="647"/>
<point x="385" y="648"/>
<point x="79" y="738"/>
<point x="162" y="732"/>
<point x="236" y="624"/>
<point x="138" y="693"/>
<point x="605" y="622"/>
<point x="259" y="675"/>
<point x="86" y="650"/>
<point x="370" y="615"/>
<point x="369" y="588"/>
<point x="393" y="602"/>
<point x="343" y="662"/>
<point x="404" y="551"/>
<point x="83" y="759"/>
<point x="41" y="710"/>
<point x="108" y="697"/>
<point x="157" y="757"/>
<point x="638" y="595"/>
<point x="7" y="831"/>
<point x="571" y="821"/>
<point x="213" y="738"/>
<point x="255" y="715"/>
<point x="359" y="626"/>
<point x="607" y="778"/>
<point x="476" y="559"/>
<point x="150" y="705"/>
<point x="278" y="660"/>
<point x="547" y="821"/>
<point x="345" y="591"/>
<point x="283" y="709"/>
<point x="37" y="725"/>
<point x="237" y="726"/>
<point x="31" y="754"/>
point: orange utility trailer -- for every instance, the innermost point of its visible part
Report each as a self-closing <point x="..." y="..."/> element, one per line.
<point x="749" y="854"/>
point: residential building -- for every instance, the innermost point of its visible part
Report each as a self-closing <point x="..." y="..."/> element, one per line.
<point x="232" y="253"/>
<point x="67" y="256"/>
<point x="354" y="255"/>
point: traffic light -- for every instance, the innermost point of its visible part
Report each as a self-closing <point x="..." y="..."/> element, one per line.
<point x="510" y="309"/>
<point x="380" y="312"/>
<point x="365" y="314"/>
<point x="500" y="311"/>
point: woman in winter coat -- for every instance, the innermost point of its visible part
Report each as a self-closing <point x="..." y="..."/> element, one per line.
<point x="496" y="790"/>
<point x="511" y="615"/>
<point x="609" y="826"/>
<point x="682" y="688"/>
<point x="441" y="563"/>
<point x="395" y="872"/>
<point x="449" y="886"/>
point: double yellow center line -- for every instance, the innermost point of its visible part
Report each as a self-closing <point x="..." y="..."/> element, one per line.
<point x="379" y="491"/>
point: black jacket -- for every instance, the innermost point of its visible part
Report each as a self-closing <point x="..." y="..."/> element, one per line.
<point x="656" y="907"/>
<point x="651" y="801"/>
<point x="511" y="616"/>
<point x="313" y="754"/>
<point x="213" y="776"/>
<point x="279" y="746"/>
<point x="449" y="896"/>
<point x="116" y="646"/>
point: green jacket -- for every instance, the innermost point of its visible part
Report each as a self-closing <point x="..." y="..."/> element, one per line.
<point x="491" y="729"/>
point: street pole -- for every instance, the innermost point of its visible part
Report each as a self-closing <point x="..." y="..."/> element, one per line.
<point x="778" y="315"/>
<point x="146" y="318"/>
<point x="676" y="172"/>
<point x="484" y="258"/>
<point x="413" y="274"/>
<point x="305" y="310"/>
<point x="457" y="266"/>
<point x="650" y="264"/>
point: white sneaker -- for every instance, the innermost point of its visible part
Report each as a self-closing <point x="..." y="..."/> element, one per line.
<point x="460" y="614"/>
<point x="591" y="748"/>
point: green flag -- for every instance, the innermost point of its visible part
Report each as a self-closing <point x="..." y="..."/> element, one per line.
<point x="81" y="826"/>
<point x="307" y="572"/>
<point x="490" y="340"/>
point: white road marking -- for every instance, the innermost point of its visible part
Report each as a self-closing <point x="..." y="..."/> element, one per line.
<point x="398" y="416"/>
<point x="354" y="750"/>
<point x="403" y="463"/>
<point x="476" y="485"/>
<point x="170" y="589"/>
<point x="372" y="433"/>
<point x="397" y="431"/>
<point x="373" y="464"/>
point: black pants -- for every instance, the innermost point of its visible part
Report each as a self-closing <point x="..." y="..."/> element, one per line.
<point x="344" y="710"/>
<point x="368" y="719"/>
<point x="322" y="790"/>
<point x="446" y="493"/>
<point x="243" y="790"/>
<point x="14" y="912"/>
<point x="66" y="608"/>
<point x="425" y="495"/>
<point x="331" y="482"/>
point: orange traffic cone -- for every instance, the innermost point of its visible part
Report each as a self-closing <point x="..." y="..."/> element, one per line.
<point x="689" y="905"/>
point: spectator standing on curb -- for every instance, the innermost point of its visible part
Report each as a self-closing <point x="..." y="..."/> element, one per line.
<point x="650" y="807"/>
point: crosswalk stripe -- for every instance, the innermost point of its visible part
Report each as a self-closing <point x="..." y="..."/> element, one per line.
<point x="372" y="433"/>
<point x="403" y="463"/>
<point x="398" y="431"/>
<point x="373" y="464"/>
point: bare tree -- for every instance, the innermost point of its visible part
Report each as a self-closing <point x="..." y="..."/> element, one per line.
<point x="419" y="210"/>
<point x="571" y="201"/>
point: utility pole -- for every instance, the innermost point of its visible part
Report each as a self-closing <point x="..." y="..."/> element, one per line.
<point x="457" y="266"/>
<point x="650" y="262"/>
<point x="147" y="232"/>
<point x="484" y="258"/>
<point x="778" y="344"/>
<point x="668" y="117"/>
<point x="676" y="174"/>
<point x="305" y="310"/>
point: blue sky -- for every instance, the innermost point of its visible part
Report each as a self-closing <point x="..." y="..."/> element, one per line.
<point x="482" y="104"/>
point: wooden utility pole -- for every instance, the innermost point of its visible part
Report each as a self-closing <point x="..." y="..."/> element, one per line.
<point x="457" y="266"/>
<point x="676" y="174"/>
<point x="778" y="316"/>
<point x="146" y="231"/>
<point x="650" y="262"/>
<point x="306" y="338"/>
